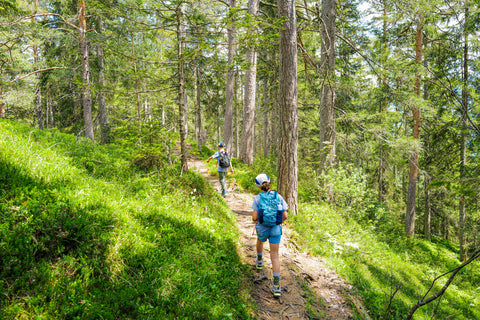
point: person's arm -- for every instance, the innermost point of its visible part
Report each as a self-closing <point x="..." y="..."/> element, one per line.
<point x="208" y="160"/>
<point x="231" y="167"/>
<point x="285" y="215"/>
<point x="255" y="215"/>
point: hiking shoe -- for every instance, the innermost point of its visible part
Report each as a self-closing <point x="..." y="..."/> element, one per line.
<point x="259" y="263"/>
<point x="277" y="291"/>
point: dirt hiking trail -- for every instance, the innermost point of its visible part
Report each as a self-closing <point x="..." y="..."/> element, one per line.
<point x="309" y="289"/>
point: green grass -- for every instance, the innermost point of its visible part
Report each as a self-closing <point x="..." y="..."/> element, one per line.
<point x="85" y="234"/>
<point x="376" y="261"/>
<point x="366" y="245"/>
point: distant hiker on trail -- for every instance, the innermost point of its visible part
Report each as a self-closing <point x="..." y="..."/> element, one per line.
<point x="224" y="163"/>
<point x="269" y="212"/>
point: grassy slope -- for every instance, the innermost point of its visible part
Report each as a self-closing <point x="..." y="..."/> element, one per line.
<point x="377" y="262"/>
<point x="375" y="256"/>
<point x="83" y="235"/>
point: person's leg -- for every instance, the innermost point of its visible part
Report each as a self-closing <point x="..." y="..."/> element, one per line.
<point x="223" y="181"/>
<point x="259" y="246"/>
<point x="274" y="256"/>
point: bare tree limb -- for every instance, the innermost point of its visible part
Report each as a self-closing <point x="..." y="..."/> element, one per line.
<point x="37" y="71"/>
<point x="440" y="293"/>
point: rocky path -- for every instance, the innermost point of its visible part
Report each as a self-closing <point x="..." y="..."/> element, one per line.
<point x="309" y="289"/>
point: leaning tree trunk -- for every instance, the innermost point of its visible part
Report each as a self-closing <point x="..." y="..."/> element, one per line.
<point x="288" y="105"/>
<point x="87" y="97"/>
<point x="181" y="90"/>
<point x="412" y="179"/>
<point x="248" y="133"/>
<point x="228" y="121"/>
<point x="327" y="100"/>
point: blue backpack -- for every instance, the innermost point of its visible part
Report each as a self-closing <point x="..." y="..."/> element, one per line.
<point x="268" y="213"/>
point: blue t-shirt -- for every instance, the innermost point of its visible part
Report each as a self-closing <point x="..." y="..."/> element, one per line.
<point x="283" y="206"/>
<point x="215" y="156"/>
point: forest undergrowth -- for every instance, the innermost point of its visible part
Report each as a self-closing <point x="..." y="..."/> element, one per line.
<point x="366" y="245"/>
<point x="87" y="232"/>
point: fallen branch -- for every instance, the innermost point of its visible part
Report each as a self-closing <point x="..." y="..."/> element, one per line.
<point x="440" y="293"/>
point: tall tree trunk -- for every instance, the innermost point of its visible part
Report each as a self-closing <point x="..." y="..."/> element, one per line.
<point x="3" y="115"/>
<point x="266" y="117"/>
<point x="198" y="109"/>
<point x="228" y="120"/>
<point x="181" y="90"/>
<point x="102" y="105"/>
<point x="248" y="132"/>
<point x="137" y="88"/>
<point x="427" y="225"/>
<point x="237" y="131"/>
<point x="288" y="156"/>
<point x="275" y="122"/>
<point x="87" y="97"/>
<point x="38" y="91"/>
<point x="412" y="179"/>
<point x="327" y="100"/>
<point x="50" y="109"/>
<point x="382" y="165"/>
<point x="463" y="144"/>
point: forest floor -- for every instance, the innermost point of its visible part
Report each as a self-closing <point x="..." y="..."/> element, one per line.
<point x="309" y="289"/>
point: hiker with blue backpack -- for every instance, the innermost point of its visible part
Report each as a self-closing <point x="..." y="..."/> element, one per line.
<point x="269" y="212"/>
<point x="224" y="163"/>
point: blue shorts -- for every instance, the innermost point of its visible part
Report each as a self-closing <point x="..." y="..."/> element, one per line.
<point x="273" y="234"/>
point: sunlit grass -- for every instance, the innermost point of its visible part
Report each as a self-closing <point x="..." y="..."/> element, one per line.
<point x="98" y="239"/>
<point x="376" y="264"/>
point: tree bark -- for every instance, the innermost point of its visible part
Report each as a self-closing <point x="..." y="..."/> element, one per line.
<point x="412" y="179"/>
<point x="463" y="142"/>
<point x="228" y="119"/>
<point x="237" y="131"/>
<point x="50" y="119"/>
<point x="382" y="165"/>
<point x="198" y="109"/>
<point x="137" y="88"/>
<point x="102" y="105"/>
<point x="87" y="97"/>
<point x="288" y="106"/>
<point x="427" y="225"/>
<point x="327" y="100"/>
<point x="248" y="132"/>
<point x="266" y="117"/>
<point x="2" y="105"/>
<point x="181" y="90"/>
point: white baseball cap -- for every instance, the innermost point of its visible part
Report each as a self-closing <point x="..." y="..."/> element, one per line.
<point x="260" y="179"/>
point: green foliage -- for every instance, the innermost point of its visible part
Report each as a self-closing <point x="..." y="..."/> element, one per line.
<point x="246" y="175"/>
<point x="376" y="258"/>
<point x="85" y="235"/>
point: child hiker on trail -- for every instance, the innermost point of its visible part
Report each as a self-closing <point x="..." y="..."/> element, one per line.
<point x="269" y="211"/>
<point x="220" y="155"/>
